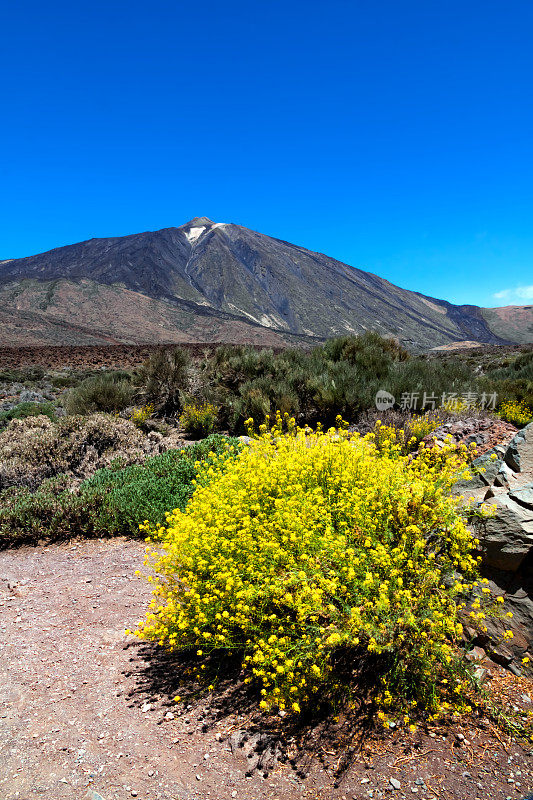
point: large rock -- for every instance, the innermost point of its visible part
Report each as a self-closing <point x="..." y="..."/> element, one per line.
<point x="507" y="537"/>
<point x="483" y="471"/>
<point x="523" y="495"/>
<point x="517" y="589"/>
<point x="519" y="453"/>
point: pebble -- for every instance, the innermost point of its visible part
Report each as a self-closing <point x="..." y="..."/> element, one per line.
<point x="395" y="783"/>
<point x="234" y="793"/>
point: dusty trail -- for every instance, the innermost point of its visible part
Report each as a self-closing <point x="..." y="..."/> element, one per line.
<point x="76" y="722"/>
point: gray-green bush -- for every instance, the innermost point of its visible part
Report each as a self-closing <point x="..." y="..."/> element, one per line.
<point x="112" y="502"/>
<point x="107" y="392"/>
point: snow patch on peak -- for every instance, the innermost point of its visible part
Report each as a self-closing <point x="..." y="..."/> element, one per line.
<point x="194" y="233"/>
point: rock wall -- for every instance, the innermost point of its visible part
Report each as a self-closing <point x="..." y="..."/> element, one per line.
<point x="506" y="538"/>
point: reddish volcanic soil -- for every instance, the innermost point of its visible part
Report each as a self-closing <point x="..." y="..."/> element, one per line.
<point x="120" y="356"/>
<point x="86" y="712"/>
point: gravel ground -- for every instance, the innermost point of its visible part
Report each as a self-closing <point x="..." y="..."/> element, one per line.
<point x="84" y="710"/>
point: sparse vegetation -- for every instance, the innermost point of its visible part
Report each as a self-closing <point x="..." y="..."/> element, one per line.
<point x="318" y="559"/>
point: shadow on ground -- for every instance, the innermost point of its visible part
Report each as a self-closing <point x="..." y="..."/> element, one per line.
<point x="319" y="735"/>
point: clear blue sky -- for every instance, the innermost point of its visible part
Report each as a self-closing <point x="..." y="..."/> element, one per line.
<point x="394" y="136"/>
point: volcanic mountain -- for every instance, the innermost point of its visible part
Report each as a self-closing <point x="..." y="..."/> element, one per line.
<point x="212" y="281"/>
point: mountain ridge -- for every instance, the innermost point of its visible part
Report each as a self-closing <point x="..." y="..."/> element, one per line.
<point x="234" y="277"/>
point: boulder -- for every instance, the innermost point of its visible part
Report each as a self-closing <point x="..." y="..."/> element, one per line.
<point x="507" y="537"/>
<point x="519" y="453"/>
<point x="517" y="589"/>
<point x="483" y="470"/>
<point x="523" y="495"/>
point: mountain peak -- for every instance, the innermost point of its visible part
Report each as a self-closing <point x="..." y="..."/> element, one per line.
<point x="198" y="222"/>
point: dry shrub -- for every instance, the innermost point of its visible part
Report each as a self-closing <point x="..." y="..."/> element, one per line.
<point x="34" y="449"/>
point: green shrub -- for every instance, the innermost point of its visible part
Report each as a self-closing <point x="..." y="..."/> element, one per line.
<point x="52" y="513"/>
<point x="30" y="374"/>
<point x="165" y="378"/>
<point x="23" y="410"/>
<point x="340" y="377"/>
<point x="107" y="392"/>
<point x="514" y="382"/>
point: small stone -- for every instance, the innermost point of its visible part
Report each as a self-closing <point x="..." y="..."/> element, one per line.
<point x="169" y="715"/>
<point x="395" y="783"/>
<point x="206" y="756"/>
<point x="365" y="780"/>
<point x="234" y="793"/>
<point x="419" y="782"/>
<point x="460" y="737"/>
<point x="146" y="707"/>
<point x="133" y="793"/>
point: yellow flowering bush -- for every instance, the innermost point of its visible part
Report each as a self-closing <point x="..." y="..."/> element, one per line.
<point x="199" y="420"/>
<point x="139" y="415"/>
<point x="516" y="412"/>
<point x="312" y="547"/>
<point x="422" y="426"/>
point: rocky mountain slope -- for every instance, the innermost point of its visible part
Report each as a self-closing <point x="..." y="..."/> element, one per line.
<point x="206" y="281"/>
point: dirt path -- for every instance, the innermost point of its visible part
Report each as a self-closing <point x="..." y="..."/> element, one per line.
<point x="79" y="719"/>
